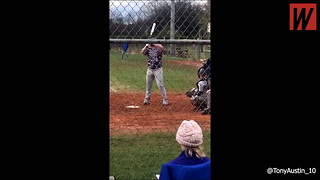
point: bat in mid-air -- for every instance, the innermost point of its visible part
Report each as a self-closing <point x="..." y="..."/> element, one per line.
<point x="152" y="30"/>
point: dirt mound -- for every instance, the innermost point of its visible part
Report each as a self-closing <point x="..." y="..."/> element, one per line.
<point x="153" y="117"/>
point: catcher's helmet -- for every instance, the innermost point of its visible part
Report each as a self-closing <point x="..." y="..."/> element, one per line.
<point x="205" y="69"/>
<point x="201" y="72"/>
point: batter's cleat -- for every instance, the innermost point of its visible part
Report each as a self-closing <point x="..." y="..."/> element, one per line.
<point x="165" y="102"/>
<point x="146" y="101"/>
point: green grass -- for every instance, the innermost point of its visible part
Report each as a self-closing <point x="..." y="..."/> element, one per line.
<point x="129" y="75"/>
<point x="141" y="156"/>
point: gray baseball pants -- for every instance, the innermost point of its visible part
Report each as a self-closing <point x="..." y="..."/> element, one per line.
<point x="124" y="52"/>
<point x="156" y="74"/>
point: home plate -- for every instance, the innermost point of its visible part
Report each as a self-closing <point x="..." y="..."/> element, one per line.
<point x="133" y="107"/>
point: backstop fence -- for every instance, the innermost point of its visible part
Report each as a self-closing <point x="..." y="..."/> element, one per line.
<point x="142" y="136"/>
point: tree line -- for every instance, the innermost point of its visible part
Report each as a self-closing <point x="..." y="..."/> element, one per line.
<point x="191" y="21"/>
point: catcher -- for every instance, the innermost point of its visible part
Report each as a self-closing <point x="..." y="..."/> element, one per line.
<point x="200" y="96"/>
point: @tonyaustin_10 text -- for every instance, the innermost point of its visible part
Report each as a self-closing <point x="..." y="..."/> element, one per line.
<point x="291" y="171"/>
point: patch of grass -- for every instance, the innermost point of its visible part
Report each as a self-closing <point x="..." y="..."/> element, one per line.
<point x="141" y="156"/>
<point x="129" y="74"/>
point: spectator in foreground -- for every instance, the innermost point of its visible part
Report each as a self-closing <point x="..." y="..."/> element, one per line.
<point x="192" y="163"/>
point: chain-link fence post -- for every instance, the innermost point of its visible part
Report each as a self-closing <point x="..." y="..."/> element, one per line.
<point x="172" y="27"/>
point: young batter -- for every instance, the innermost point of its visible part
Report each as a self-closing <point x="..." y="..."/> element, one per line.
<point x="154" y="53"/>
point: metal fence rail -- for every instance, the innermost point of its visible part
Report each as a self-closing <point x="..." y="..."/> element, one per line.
<point x="161" y="41"/>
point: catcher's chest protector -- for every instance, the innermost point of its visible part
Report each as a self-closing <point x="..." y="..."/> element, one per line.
<point x="202" y="85"/>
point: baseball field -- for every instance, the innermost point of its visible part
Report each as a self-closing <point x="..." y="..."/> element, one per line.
<point x="142" y="138"/>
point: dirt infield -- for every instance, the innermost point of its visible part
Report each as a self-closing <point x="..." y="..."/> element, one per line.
<point x="193" y="63"/>
<point x="153" y="117"/>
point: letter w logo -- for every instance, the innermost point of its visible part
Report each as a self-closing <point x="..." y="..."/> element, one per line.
<point x="303" y="16"/>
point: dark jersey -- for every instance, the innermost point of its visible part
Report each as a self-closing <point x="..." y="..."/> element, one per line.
<point x="154" y="58"/>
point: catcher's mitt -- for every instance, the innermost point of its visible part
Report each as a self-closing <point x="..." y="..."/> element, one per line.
<point x="199" y="102"/>
<point x="191" y="92"/>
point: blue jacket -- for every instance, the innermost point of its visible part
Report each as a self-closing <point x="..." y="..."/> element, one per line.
<point x="186" y="168"/>
<point x="125" y="46"/>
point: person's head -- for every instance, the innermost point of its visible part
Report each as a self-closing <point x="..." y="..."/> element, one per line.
<point x="152" y="44"/>
<point x="190" y="137"/>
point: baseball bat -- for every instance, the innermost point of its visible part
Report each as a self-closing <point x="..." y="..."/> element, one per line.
<point x="151" y="32"/>
<point x="152" y="29"/>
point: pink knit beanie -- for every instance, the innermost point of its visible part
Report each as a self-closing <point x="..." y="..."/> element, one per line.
<point x="189" y="134"/>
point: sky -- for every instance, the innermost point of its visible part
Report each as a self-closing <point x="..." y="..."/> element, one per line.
<point x="126" y="6"/>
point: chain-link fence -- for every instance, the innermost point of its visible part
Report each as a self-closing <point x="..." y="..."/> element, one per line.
<point x="142" y="136"/>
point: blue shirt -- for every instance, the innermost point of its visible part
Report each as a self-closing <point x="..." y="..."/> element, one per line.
<point x="183" y="159"/>
<point x="186" y="168"/>
<point x="125" y="46"/>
